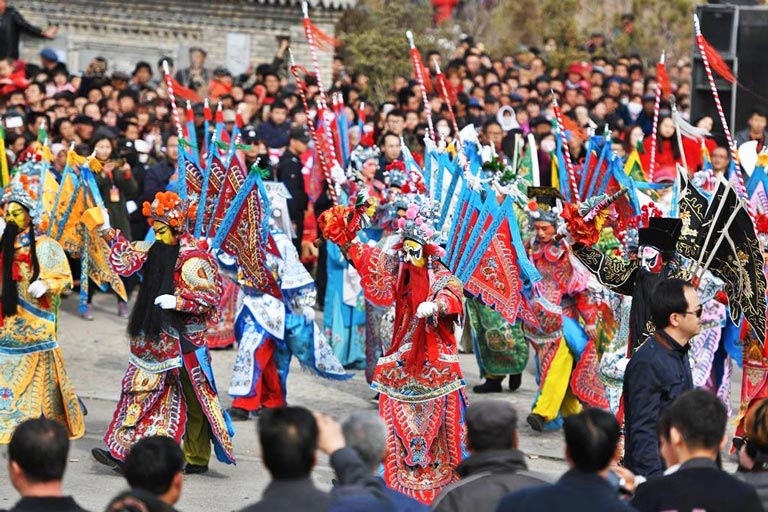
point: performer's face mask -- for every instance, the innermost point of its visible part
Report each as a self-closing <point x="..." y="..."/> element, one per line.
<point x="650" y="259"/>
<point x="164" y="233"/>
<point x="16" y="214"/>
<point x="413" y="252"/>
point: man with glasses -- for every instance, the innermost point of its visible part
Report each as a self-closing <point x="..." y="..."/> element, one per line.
<point x="659" y="372"/>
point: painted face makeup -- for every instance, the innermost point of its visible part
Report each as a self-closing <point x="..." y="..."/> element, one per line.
<point x="16" y="214"/>
<point x="164" y="233"/>
<point x="413" y="252"/>
<point x="650" y="258"/>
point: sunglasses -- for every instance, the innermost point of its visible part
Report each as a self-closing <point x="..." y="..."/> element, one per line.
<point x="698" y="312"/>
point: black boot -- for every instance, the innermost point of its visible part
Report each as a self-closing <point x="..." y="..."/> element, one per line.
<point x="515" y="380"/>
<point x="238" y="414"/>
<point x="489" y="386"/>
<point x="106" y="458"/>
<point x="536" y="422"/>
<point x="194" y="469"/>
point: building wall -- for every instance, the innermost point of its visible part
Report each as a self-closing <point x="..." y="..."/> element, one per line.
<point x="234" y="33"/>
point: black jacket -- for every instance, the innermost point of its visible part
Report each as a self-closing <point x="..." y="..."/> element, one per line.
<point x="289" y="172"/>
<point x="125" y="501"/>
<point x="291" y="495"/>
<point x="658" y="373"/>
<point x="758" y="480"/>
<point x="486" y="477"/>
<point x="697" y="485"/>
<point x="574" y="492"/>
<point x="12" y="24"/>
<point x="63" y="504"/>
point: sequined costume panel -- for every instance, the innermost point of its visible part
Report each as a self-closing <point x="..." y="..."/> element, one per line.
<point x="152" y="400"/>
<point x="500" y="346"/>
<point x="419" y="379"/>
<point x="33" y="328"/>
<point x="33" y="381"/>
<point x="34" y="385"/>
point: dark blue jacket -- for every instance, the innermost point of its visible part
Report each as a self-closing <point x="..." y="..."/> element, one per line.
<point x="698" y="485"/>
<point x="361" y="491"/>
<point x="274" y="136"/>
<point x="575" y="491"/>
<point x="658" y="373"/>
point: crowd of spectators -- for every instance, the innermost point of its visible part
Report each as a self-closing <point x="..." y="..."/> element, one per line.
<point x="495" y="477"/>
<point x="126" y="118"/>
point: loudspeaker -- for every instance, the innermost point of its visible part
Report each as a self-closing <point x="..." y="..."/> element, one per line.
<point x="738" y="33"/>
<point x="752" y="73"/>
<point x="719" y="26"/>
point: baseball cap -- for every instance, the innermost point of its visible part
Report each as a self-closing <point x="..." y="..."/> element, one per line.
<point x="249" y="135"/>
<point x="299" y="133"/>
<point x="49" y="54"/>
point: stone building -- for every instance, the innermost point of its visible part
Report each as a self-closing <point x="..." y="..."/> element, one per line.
<point x="235" y="33"/>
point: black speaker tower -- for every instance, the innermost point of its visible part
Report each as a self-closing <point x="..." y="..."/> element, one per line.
<point x="738" y="33"/>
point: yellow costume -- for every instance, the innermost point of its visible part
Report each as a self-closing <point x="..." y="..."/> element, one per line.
<point x="33" y="381"/>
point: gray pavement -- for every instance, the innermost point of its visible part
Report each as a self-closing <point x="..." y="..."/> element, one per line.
<point x="96" y="356"/>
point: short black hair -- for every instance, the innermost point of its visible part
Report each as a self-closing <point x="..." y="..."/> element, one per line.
<point x="757" y="111"/>
<point x="668" y="298"/>
<point x="153" y="463"/>
<point x="396" y="112"/>
<point x="591" y="438"/>
<point x="489" y="123"/>
<point x="278" y="104"/>
<point x="700" y="417"/>
<point x="40" y="447"/>
<point x="288" y="437"/>
<point x="142" y="65"/>
<point x="127" y="93"/>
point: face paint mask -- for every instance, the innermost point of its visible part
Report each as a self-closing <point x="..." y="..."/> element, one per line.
<point x="15" y="213"/>
<point x="164" y="233"/>
<point x="413" y="253"/>
<point x="650" y="259"/>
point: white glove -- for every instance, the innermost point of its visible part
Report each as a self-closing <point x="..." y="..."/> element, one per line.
<point x="337" y="175"/>
<point x="166" y="301"/>
<point x="131" y="206"/>
<point x="309" y="314"/>
<point x="426" y="309"/>
<point x="622" y="364"/>
<point x="106" y="224"/>
<point x="37" y="289"/>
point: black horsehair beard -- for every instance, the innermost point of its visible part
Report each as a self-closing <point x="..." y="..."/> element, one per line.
<point x="146" y="318"/>
<point x="10" y="292"/>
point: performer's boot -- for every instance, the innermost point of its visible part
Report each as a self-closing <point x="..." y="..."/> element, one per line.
<point x="515" y="380"/>
<point x="536" y="422"/>
<point x="489" y="386"/>
<point x="238" y="414"/>
<point x="106" y="458"/>
<point x="194" y="469"/>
